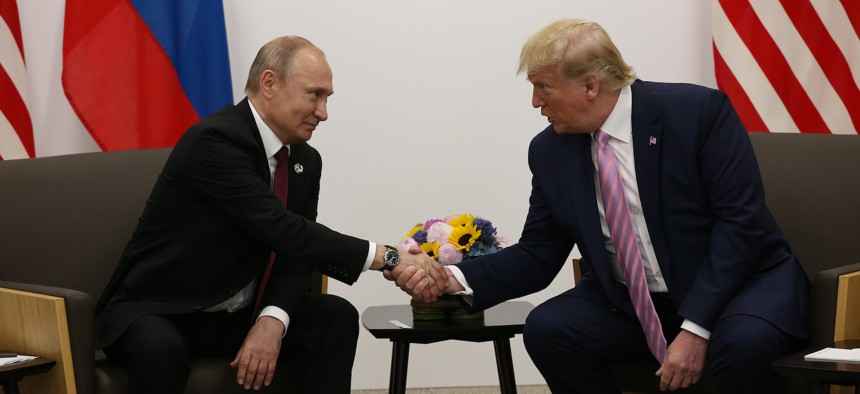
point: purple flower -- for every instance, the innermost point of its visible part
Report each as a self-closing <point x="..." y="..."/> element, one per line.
<point x="420" y="236"/>
<point x="488" y="232"/>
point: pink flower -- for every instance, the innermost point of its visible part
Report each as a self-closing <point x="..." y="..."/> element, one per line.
<point x="405" y="244"/>
<point x="501" y="240"/>
<point x="439" y="233"/>
<point x="448" y="254"/>
<point x="430" y="222"/>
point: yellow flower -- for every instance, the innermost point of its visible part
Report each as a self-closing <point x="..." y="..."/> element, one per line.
<point x="465" y="220"/>
<point x="463" y="237"/>
<point x="418" y="227"/>
<point x="431" y="248"/>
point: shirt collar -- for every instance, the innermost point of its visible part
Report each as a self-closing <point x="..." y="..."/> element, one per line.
<point x="619" y="124"/>
<point x="271" y="143"/>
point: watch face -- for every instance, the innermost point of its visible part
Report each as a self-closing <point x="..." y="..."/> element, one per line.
<point x="391" y="258"/>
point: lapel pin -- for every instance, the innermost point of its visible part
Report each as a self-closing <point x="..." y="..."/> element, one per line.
<point x="299" y="169"/>
<point x="652" y="140"/>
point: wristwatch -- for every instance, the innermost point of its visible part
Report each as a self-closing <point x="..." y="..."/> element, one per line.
<point x="390" y="259"/>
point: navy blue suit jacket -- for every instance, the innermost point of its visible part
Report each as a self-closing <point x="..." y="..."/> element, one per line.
<point x="718" y="246"/>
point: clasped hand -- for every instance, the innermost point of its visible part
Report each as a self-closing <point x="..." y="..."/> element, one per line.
<point x="419" y="275"/>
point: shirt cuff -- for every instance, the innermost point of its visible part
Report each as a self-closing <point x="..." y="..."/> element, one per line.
<point x="696" y="329"/>
<point x="467" y="293"/>
<point x="277" y="313"/>
<point x="371" y="253"/>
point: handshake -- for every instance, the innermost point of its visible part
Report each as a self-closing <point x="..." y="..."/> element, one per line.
<point x="419" y="275"/>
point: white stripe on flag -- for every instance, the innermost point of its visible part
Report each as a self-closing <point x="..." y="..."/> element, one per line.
<point x="804" y="66"/>
<point x="12" y="61"/>
<point x="749" y="75"/>
<point x="836" y="21"/>
<point x="10" y="145"/>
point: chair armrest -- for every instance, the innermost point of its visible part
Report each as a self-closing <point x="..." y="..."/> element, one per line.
<point x="81" y="326"/>
<point x="823" y="301"/>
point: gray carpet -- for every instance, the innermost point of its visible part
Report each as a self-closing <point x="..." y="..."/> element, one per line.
<point x="462" y="390"/>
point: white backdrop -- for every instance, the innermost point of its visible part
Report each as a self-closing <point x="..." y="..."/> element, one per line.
<point x="429" y="118"/>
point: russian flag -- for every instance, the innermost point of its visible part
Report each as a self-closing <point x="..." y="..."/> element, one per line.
<point x="138" y="73"/>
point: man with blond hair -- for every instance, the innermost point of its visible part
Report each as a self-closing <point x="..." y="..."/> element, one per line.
<point x="221" y="260"/>
<point x="658" y="186"/>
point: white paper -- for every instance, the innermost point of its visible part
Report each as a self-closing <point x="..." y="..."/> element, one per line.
<point x="835" y="355"/>
<point x="13" y="360"/>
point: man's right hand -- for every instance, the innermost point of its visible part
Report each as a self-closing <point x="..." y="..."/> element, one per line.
<point x="419" y="275"/>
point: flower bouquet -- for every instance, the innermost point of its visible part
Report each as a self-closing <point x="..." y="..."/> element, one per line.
<point x="450" y="240"/>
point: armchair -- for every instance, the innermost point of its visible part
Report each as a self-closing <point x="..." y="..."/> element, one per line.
<point x="812" y="183"/>
<point x="65" y="221"/>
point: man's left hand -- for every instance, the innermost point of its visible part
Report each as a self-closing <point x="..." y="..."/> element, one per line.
<point x="684" y="361"/>
<point x="258" y="355"/>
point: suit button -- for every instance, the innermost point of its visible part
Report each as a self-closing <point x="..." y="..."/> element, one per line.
<point x="198" y="308"/>
<point x="233" y="291"/>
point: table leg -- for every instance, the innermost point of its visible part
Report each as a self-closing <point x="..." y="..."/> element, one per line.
<point x="399" y="365"/>
<point x="505" y="366"/>
<point x="10" y="386"/>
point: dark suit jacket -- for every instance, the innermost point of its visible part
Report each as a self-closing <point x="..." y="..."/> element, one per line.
<point x="716" y="242"/>
<point x="210" y="223"/>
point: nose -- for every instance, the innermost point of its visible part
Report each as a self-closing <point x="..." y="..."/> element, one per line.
<point x="537" y="101"/>
<point x="322" y="112"/>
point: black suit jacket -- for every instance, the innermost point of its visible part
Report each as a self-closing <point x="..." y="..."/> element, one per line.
<point x="211" y="222"/>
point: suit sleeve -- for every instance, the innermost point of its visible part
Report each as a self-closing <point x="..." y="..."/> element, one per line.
<point x="224" y="173"/>
<point x="531" y="264"/>
<point x="740" y="221"/>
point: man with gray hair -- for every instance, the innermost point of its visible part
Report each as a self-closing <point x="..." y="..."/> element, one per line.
<point x="221" y="260"/>
<point x="658" y="186"/>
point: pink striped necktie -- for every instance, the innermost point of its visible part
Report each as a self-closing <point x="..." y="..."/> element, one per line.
<point x="279" y="186"/>
<point x="626" y="248"/>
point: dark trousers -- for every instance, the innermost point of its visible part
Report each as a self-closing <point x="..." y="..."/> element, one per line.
<point x="316" y="354"/>
<point x="572" y="339"/>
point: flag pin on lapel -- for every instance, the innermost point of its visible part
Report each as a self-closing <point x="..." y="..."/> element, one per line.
<point x="652" y="140"/>
<point x="299" y="169"/>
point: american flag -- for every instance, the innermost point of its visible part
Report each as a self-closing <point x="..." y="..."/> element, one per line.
<point x="790" y="65"/>
<point x="16" y="129"/>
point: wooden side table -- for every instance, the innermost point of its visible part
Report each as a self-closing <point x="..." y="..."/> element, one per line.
<point x="500" y="324"/>
<point x="821" y="373"/>
<point x="11" y="374"/>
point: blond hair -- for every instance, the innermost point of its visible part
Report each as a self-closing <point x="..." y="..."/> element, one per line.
<point x="579" y="48"/>
<point x="278" y="55"/>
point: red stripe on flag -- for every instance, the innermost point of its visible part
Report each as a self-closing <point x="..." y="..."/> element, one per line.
<point x="743" y="105"/>
<point x="118" y="79"/>
<point x="852" y="9"/>
<point x="9" y="13"/>
<point x="13" y="107"/>
<point x="768" y="56"/>
<point x="827" y="54"/>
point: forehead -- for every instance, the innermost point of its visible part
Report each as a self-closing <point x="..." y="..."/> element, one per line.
<point x="545" y="74"/>
<point x="312" y="69"/>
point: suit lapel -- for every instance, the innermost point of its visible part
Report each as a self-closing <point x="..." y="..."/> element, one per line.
<point x="300" y="169"/>
<point x="647" y="135"/>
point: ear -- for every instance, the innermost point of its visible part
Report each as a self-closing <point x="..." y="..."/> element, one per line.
<point x="268" y="80"/>
<point x="592" y="87"/>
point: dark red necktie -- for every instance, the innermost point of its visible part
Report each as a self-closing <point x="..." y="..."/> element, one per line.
<point x="279" y="186"/>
